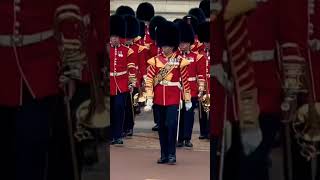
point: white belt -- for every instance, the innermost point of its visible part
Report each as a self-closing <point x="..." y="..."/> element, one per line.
<point x="118" y="73"/>
<point x="192" y="79"/>
<point x="264" y="55"/>
<point x="23" y="40"/>
<point x="169" y="83"/>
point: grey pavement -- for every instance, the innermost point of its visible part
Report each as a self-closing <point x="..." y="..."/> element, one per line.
<point x="136" y="160"/>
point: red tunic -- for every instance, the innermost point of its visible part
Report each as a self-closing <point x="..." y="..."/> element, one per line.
<point x="140" y="60"/>
<point x="122" y="66"/>
<point x="95" y="20"/>
<point x="167" y="95"/>
<point x="267" y="30"/>
<point x="35" y="64"/>
<point x="196" y="70"/>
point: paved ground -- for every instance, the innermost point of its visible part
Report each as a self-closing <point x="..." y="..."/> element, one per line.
<point x="136" y="160"/>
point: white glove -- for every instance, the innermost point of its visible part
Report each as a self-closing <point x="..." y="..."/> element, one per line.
<point x="251" y="139"/>
<point x="149" y="105"/>
<point x="188" y="105"/>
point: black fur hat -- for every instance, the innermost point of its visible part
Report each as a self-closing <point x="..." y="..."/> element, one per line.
<point x="145" y="11"/>
<point x="154" y="23"/>
<point x="125" y="10"/>
<point x="204" y="32"/>
<point x="186" y="32"/>
<point x="191" y="20"/>
<point x="141" y="29"/>
<point x="177" y="20"/>
<point x="117" y="26"/>
<point x="205" y="6"/>
<point x="133" y="26"/>
<point x="168" y="35"/>
<point x="198" y="13"/>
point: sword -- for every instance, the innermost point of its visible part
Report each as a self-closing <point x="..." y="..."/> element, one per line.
<point x="70" y="135"/>
<point x="288" y="107"/>
<point x="177" y="136"/>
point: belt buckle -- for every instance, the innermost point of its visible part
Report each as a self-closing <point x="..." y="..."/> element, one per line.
<point x="165" y="83"/>
<point x="17" y="40"/>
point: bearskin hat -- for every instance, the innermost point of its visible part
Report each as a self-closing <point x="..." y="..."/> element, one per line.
<point x="125" y="10"/>
<point x="133" y="26"/>
<point x="205" y="6"/>
<point x="168" y="35"/>
<point x="177" y="20"/>
<point x="198" y="13"/>
<point x="145" y="11"/>
<point x="141" y="29"/>
<point x="154" y="23"/>
<point x="191" y="20"/>
<point x="204" y="32"/>
<point x="117" y="26"/>
<point x="186" y="32"/>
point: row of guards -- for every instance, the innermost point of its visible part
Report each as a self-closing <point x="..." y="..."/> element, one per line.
<point x="266" y="82"/>
<point x="163" y="66"/>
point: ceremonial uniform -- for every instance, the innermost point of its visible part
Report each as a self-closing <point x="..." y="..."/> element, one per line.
<point x="203" y="35"/>
<point x="305" y="166"/>
<point x="164" y="90"/>
<point x="197" y="73"/>
<point x="154" y="49"/>
<point x="286" y="37"/>
<point x="122" y="69"/>
<point x="96" y="29"/>
<point x="139" y="58"/>
<point x="31" y="103"/>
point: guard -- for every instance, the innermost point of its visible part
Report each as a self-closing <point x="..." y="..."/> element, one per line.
<point x="197" y="74"/>
<point x="164" y="89"/>
<point x="154" y="49"/>
<point x="35" y="133"/>
<point x="204" y="38"/>
<point x="122" y="76"/>
<point x="140" y="54"/>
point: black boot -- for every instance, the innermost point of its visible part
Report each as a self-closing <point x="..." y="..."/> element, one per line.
<point x="188" y="144"/>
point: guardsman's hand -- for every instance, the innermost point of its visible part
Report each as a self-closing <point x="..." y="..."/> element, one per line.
<point x="188" y="105"/>
<point x="149" y="105"/>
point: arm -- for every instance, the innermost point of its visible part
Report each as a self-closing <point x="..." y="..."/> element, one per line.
<point x="184" y="78"/>
<point x="131" y="59"/>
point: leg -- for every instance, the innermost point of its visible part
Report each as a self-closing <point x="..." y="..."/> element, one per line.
<point x="258" y="162"/>
<point x="204" y="123"/>
<point x="7" y="135"/>
<point x="159" y="114"/>
<point x="32" y="141"/>
<point x="119" y="115"/>
<point x="189" y="121"/>
<point x="172" y="123"/>
<point x="183" y="114"/>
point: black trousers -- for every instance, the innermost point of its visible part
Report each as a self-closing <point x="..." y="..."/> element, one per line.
<point x="255" y="166"/>
<point x="117" y="114"/>
<point x="36" y="141"/>
<point x="187" y="121"/>
<point x="168" y="122"/>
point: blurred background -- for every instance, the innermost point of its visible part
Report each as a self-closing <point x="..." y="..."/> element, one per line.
<point x="170" y="9"/>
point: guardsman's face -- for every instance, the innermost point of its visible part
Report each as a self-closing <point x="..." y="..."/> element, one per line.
<point x="114" y="40"/>
<point x="184" y="46"/>
<point x="167" y="50"/>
